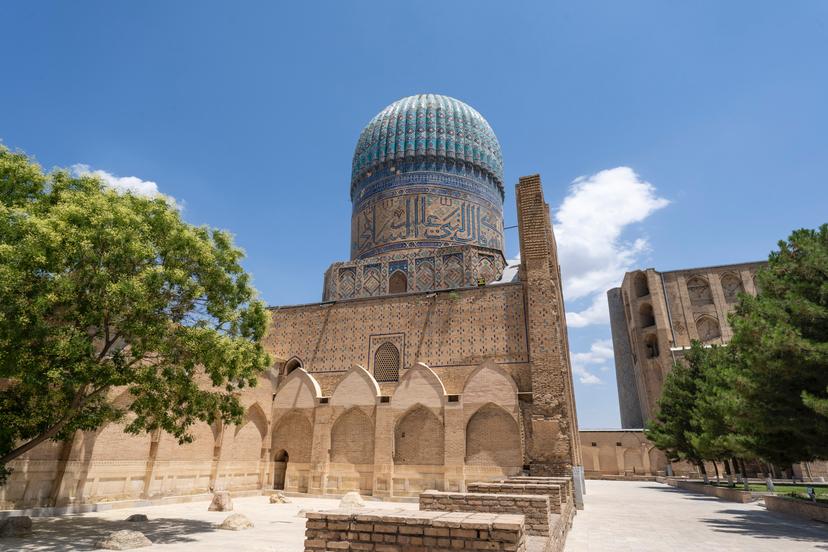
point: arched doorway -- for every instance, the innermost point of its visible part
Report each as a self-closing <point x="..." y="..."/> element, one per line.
<point x="280" y="463"/>
<point x="398" y="282"/>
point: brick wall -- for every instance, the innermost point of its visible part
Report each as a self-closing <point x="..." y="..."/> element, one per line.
<point x="534" y="508"/>
<point x="552" y="426"/>
<point x="419" y="439"/>
<point x="564" y="482"/>
<point x="459" y="328"/>
<point x="552" y="491"/>
<point x="424" y="531"/>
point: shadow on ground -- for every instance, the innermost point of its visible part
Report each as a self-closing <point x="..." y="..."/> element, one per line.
<point x="761" y="524"/>
<point x="758" y="523"/>
<point x="82" y="533"/>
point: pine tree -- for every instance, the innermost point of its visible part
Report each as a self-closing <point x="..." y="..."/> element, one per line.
<point x="672" y="428"/>
<point x="780" y="354"/>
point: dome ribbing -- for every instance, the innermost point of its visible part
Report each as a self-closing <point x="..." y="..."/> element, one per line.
<point x="428" y="128"/>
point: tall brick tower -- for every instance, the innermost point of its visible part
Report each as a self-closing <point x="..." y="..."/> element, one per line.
<point x="552" y="421"/>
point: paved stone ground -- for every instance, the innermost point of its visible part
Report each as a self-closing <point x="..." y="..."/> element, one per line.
<point x="187" y="526"/>
<point x="642" y="516"/>
<point x="619" y="516"/>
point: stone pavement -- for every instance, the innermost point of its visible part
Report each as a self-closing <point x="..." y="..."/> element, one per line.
<point x="187" y="526"/>
<point x="643" y="516"/>
<point x="619" y="515"/>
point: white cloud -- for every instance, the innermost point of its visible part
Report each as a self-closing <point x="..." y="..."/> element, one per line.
<point x="596" y="313"/>
<point x="122" y="184"/>
<point x="588" y="227"/>
<point x="600" y="352"/>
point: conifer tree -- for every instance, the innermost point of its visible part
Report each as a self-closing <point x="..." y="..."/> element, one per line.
<point x="672" y="428"/>
<point x="780" y="354"/>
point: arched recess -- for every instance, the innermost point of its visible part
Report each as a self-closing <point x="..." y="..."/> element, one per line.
<point x="708" y="328"/>
<point x="651" y="346"/>
<point x="493" y="438"/>
<point x="293" y="434"/>
<point x="489" y="383"/>
<point x="199" y="450"/>
<point x="633" y="461"/>
<point x="419" y="385"/>
<point x="398" y="282"/>
<point x="419" y="438"/>
<point x="249" y="436"/>
<point x="732" y="287"/>
<point x="352" y="438"/>
<point x="292" y="365"/>
<point x="112" y="443"/>
<point x="358" y="387"/>
<point x="699" y="291"/>
<point x="642" y="289"/>
<point x="646" y="316"/>
<point x="300" y="390"/>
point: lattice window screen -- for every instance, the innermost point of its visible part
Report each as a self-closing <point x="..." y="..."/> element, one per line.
<point x="387" y="363"/>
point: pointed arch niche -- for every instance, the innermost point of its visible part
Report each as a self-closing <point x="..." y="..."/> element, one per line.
<point x="352" y="438"/>
<point x="419" y="438"/>
<point x="493" y="438"/>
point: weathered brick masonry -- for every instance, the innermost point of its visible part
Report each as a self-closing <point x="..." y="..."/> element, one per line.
<point x="557" y="500"/>
<point x="552" y="420"/>
<point x="406" y="531"/>
<point x="535" y="508"/>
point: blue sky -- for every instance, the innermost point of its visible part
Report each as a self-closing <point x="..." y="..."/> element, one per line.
<point x="697" y="130"/>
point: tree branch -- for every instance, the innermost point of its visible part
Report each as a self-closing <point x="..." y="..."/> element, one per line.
<point x="78" y="401"/>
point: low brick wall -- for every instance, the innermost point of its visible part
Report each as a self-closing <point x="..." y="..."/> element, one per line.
<point x="565" y="482"/>
<point x="726" y="493"/>
<point x="797" y="507"/>
<point x="423" y="531"/>
<point x="553" y="491"/>
<point x="535" y="508"/>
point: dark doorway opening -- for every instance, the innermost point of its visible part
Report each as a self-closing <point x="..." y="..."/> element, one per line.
<point x="281" y="462"/>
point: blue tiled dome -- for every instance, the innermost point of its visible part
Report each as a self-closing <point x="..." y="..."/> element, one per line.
<point x="428" y="132"/>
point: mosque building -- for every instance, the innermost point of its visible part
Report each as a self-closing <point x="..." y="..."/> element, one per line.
<point x="429" y="363"/>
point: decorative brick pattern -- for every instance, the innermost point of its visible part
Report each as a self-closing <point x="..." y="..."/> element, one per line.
<point x="443" y="330"/>
<point x="406" y="531"/>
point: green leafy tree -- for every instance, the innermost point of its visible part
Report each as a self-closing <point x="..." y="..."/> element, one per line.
<point x="780" y="354"/>
<point x="672" y="428"/>
<point x="105" y="293"/>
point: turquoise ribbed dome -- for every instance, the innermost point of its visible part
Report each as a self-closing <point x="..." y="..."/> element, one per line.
<point x="427" y="130"/>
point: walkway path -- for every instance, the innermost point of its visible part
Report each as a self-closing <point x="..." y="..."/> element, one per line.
<point x="185" y="527"/>
<point x="633" y="516"/>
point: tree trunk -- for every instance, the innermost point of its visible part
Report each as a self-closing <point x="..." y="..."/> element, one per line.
<point x="26" y="447"/>
<point x="77" y="403"/>
<point x="745" y="481"/>
<point x="703" y="471"/>
<point x="728" y="472"/>
<point x="716" y="467"/>
<point x="737" y="471"/>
